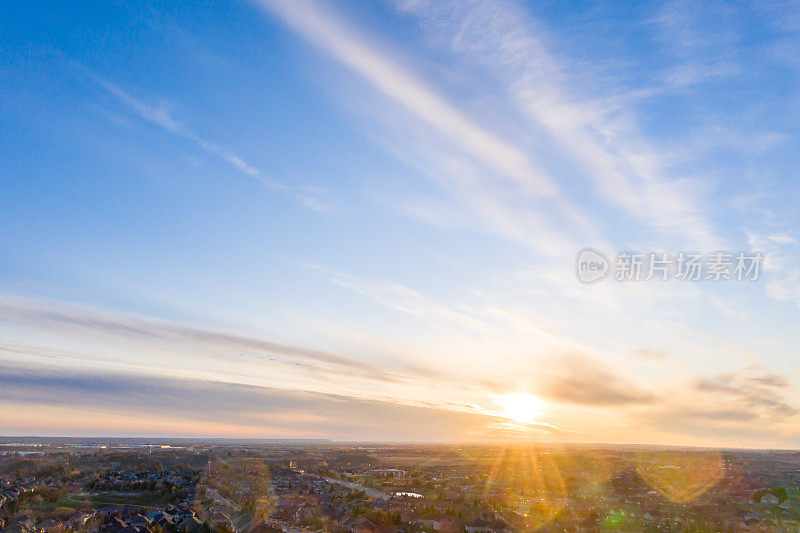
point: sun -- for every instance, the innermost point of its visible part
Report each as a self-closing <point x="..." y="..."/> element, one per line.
<point x="521" y="407"/>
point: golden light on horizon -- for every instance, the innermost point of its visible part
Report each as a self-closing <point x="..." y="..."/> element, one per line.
<point x="521" y="407"/>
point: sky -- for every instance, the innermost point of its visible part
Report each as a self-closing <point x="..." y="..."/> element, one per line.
<point x="360" y="220"/>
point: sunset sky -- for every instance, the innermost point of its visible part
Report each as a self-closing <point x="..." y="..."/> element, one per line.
<point x="360" y="220"/>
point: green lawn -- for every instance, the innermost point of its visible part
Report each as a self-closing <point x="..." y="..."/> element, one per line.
<point x="143" y="498"/>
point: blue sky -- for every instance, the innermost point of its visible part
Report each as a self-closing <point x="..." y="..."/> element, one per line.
<point x="378" y="206"/>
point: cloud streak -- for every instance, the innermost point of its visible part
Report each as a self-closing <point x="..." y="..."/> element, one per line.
<point x="479" y="162"/>
<point x="207" y="405"/>
<point x="582" y="380"/>
<point x="98" y="325"/>
<point x="160" y="115"/>
<point x="354" y="51"/>
<point x="760" y="392"/>
<point x="405" y="299"/>
<point x="498" y="36"/>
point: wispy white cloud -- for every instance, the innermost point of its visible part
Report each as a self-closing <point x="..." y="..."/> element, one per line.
<point x="780" y="265"/>
<point x="699" y="39"/>
<point x="161" y="115"/>
<point x="356" y="52"/>
<point x="405" y="299"/>
<point x="486" y="318"/>
<point x="478" y="201"/>
<point x="480" y="168"/>
<point x="627" y="172"/>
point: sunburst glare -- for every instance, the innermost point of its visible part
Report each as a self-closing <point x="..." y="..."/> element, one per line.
<point x="521" y="407"/>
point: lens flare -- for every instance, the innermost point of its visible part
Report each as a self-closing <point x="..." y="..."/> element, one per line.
<point x="680" y="477"/>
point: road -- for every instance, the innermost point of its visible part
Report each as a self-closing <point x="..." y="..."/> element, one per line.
<point x="214" y="494"/>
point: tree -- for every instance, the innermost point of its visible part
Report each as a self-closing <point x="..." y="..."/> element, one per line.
<point x="780" y="493"/>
